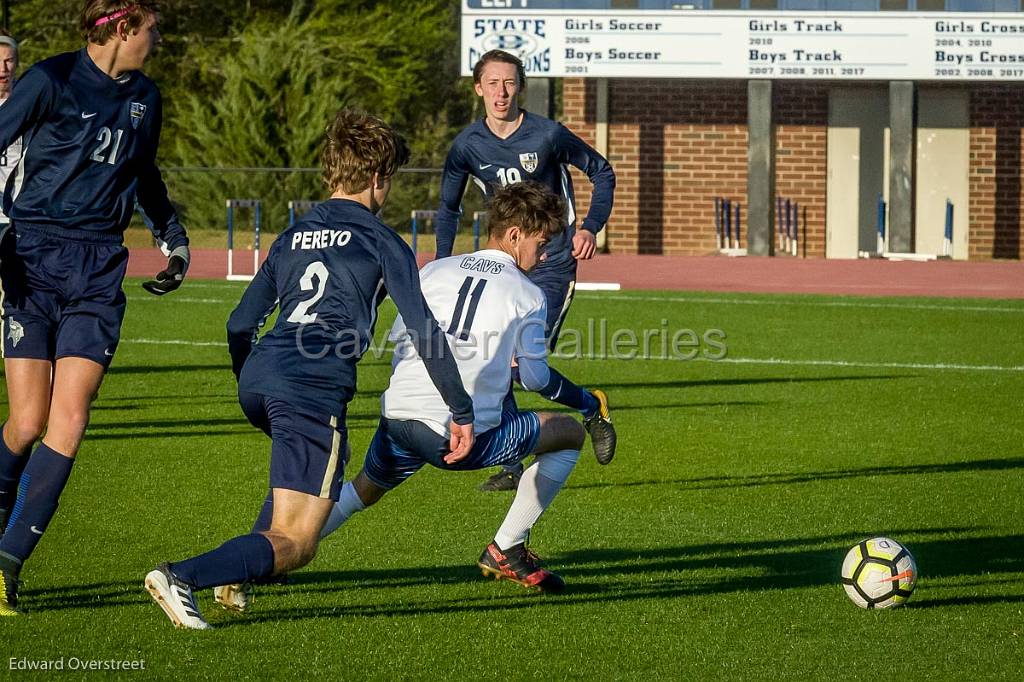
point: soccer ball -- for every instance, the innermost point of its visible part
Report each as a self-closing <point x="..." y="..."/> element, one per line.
<point x="879" y="573"/>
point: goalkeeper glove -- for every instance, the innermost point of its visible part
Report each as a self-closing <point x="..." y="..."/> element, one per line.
<point x="169" y="279"/>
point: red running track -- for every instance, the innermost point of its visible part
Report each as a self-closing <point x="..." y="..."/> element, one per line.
<point x="997" y="279"/>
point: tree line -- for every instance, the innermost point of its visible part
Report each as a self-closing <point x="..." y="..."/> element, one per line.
<point x="252" y="83"/>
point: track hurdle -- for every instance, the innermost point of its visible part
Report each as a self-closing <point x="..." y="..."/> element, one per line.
<point x="478" y="220"/>
<point x="728" y="231"/>
<point x="787" y="226"/>
<point x="947" y="238"/>
<point x="257" y="207"/>
<point x="880" y="224"/>
<point x="298" y="208"/>
<point x="416" y="217"/>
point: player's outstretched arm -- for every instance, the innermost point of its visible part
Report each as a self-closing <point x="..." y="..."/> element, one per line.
<point x="252" y="311"/>
<point x="161" y="218"/>
<point x="453" y="186"/>
<point x="536" y="375"/>
<point x="575" y="151"/>
<point x="401" y="278"/>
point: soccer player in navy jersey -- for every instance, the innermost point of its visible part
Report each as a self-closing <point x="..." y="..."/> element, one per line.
<point x="327" y="274"/>
<point x="10" y="156"/>
<point x="90" y="125"/>
<point x="511" y="145"/>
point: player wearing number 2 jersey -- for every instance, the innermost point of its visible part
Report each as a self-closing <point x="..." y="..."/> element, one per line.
<point x="328" y="274"/>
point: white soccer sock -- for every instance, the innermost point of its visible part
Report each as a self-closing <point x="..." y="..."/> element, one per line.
<point x="348" y="504"/>
<point x="537" y="488"/>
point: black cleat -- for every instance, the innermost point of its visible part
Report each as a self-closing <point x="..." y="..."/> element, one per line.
<point x="8" y="591"/>
<point x="503" y="480"/>
<point x="602" y="433"/>
<point x="521" y="566"/>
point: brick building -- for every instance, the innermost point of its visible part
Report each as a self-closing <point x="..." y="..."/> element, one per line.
<point x="677" y="144"/>
<point x="900" y="118"/>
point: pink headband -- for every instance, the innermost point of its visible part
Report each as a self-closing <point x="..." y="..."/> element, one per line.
<point x="114" y="17"/>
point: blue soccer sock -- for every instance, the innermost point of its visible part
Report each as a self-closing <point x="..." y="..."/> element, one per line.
<point x="266" y="515"/>
<point x="45" y="477"/>
<point x="243" y="559"/>
<point x="11" y="467"/>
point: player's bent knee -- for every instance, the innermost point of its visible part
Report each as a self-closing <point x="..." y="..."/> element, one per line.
<point x="22" y="431"/>
<point x="559" y="432"/>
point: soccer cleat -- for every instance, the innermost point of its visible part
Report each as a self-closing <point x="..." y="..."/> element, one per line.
<point x="8" y="593"/>
<point x="602" y="433"/>
<point x="519" y="565"/>
<point x="175" y="598"/>
<point x="503" y="480"/>
<point x="233" y="597"/>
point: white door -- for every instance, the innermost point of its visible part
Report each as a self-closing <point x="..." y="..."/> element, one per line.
<point x="857" y="122"/>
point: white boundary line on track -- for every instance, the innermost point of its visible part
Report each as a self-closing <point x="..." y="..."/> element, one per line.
<point x="726" y="361"/>
<point x="804" y="302"/>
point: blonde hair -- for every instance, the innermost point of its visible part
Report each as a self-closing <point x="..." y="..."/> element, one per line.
<point x="358" y="145"/>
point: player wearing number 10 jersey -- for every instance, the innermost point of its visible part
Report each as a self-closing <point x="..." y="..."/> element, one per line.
<point x="510" y="145"/>
<point x="328" y="274"/>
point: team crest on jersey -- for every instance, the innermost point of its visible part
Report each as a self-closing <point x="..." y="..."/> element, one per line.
<point x="138" y="110"/>
<point x="528" y="161"/>
<point x="15" y="332"/>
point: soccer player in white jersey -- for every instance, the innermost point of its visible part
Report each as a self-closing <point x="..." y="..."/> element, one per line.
<point x="10" y="156"/>
<point x="494" y="316"/>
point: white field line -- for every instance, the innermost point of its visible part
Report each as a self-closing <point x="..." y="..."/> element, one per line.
<point x="809" y="363"/>
<point x="727" y="361"/>
<point x="147" y="299"/>
<point x="804" y="302"/>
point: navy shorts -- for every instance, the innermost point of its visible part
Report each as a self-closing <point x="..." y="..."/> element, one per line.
<point x="401" y="447"/>
<point x="307" y="450"/>
<point x="559" y="287"/>
<point x="62" y="295"/>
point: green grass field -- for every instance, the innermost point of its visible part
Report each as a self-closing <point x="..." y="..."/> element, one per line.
<point x="709" y="549"/>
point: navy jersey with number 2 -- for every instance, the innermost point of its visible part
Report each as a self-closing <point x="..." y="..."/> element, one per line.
<point x="328" y="273"/>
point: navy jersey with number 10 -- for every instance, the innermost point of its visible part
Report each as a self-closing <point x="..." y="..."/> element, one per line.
<point x="540" y="150"/>
<point x="328" y="273"/>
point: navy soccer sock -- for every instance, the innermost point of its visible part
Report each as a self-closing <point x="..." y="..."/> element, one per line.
<point x="45" y="477"/>
<point x="243" y="559"/>
<point x="266" y="515"/>
<point x="11" y="467"/>
<point x="564" y="392"/>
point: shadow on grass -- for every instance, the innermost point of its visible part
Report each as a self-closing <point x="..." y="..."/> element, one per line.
<point x="169" y="369"/>
<point x="750" y="381"/>
<point x="617" y="575"/>
<point x="754" y="480"/>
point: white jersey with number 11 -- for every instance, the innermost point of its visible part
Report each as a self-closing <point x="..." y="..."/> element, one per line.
<point x="492" y="314"/>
